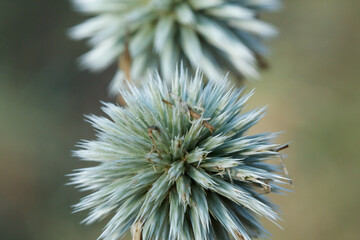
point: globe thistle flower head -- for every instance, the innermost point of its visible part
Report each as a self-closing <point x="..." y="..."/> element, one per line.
<point x="217" y="36"/>
<point x="177" y="163"/>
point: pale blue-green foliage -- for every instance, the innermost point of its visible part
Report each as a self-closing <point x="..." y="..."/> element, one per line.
<point x="215" y="35"/>
<point x="162" y="167"/>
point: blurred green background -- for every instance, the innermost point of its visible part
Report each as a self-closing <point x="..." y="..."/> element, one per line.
<point x="312" y="90"/>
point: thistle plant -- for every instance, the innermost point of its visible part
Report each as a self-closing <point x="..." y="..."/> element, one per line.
<point x="177" y="163"/>
<point x="215" y="35"/>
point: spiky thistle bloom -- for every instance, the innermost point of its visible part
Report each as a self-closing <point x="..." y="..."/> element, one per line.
<point x="177" y="164"/>
<point x="215" y="35"/>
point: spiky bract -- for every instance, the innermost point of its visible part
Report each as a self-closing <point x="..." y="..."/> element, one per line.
<point x="179" y="163"/>
<point x="214" y="35"/>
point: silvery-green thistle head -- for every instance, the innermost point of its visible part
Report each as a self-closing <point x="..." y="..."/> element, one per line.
<point x="177" y="163"/>
<point x="217" y="36"/>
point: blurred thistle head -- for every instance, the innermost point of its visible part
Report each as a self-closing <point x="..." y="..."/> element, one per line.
<point x="215" y="35"/>
<point x="177" y="163"/>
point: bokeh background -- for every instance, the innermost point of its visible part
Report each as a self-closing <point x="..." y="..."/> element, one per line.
<point x="312" y="90"/>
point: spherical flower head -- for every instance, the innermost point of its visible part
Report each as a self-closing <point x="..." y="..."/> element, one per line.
<point x="215" y="35"/>
<point x="177" y="163"/>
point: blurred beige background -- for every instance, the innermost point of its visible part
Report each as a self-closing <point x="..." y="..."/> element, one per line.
<point x="312" y="90"/>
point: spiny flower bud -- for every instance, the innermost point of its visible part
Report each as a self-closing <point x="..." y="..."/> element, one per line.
<point x="215" y="35"/>
<point x="176" y="163"/>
